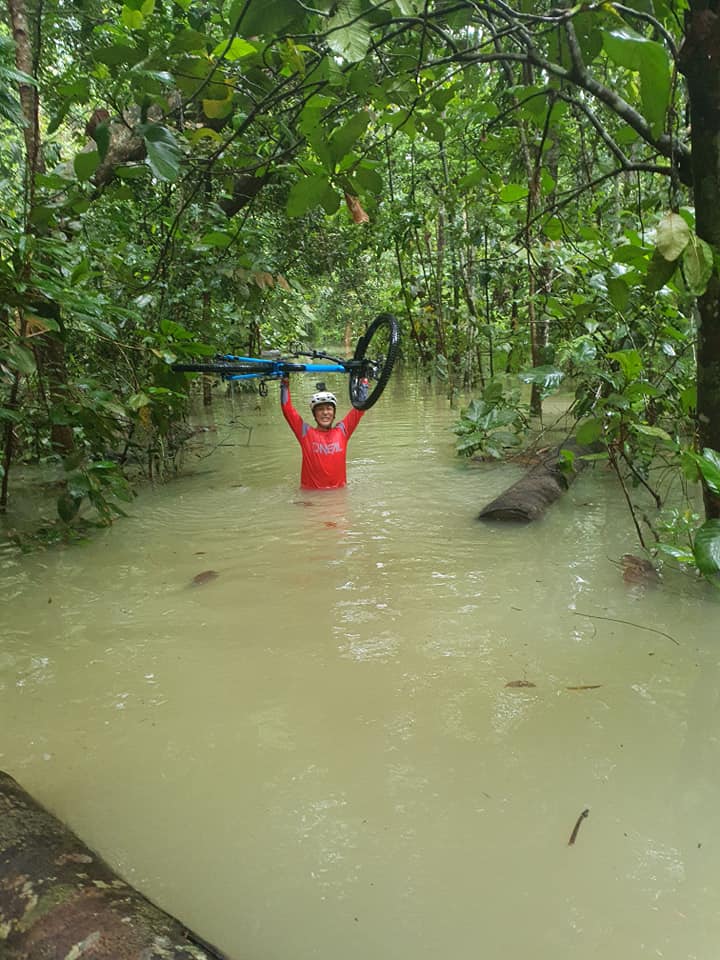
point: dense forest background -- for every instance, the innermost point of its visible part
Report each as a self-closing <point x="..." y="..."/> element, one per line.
<point x="533" y="189"/>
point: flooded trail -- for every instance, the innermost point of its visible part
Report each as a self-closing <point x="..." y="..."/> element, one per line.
<point x="363" y="724"/>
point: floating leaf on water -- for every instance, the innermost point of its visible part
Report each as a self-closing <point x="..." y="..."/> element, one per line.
<point x="205" y="577"/>
<point x="520" y="683"/>
<point x="330" y="523"/>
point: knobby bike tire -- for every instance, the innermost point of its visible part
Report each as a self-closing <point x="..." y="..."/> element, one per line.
<point x="377" y="350"/>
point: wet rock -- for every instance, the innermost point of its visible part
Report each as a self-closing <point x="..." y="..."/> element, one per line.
<point x="60" y="901"/>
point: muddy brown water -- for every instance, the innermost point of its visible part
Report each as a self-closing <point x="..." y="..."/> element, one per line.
<point x="295" y="720"/>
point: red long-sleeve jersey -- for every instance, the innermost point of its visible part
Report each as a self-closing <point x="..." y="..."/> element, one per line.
<point x="324" y="452"/>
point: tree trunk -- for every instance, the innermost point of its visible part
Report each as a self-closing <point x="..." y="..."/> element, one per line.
<point x="59" y="900"/>
<point x="28" y="93"/>
<point x="699" y="62"/>
<point x="206" y="381"/>
<point x="543" y="484"/>
<point x="49" y="350"/>
<point x="9" y="442"/>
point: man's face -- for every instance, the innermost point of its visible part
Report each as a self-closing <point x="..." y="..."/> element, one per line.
<point x="324" y="414"/>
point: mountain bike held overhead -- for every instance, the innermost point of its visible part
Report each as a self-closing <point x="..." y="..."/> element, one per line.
<point x="323" y="445"/>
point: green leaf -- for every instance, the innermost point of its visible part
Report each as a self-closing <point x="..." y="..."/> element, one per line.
<point x="553" y="228"/>
<point x="588" y="35"/>
<point x="512" y="192"/>
<point x="409" y="8"/>
<point x="369" y="180"/>
<point x="697" y="265"/>
<point x="566" y="461"/>
<point x="343" y="139"/>
<point x="188" y="41"/>
<point x="131" y="172"/>
<point x="266" y="18"/>
<point x="193" y="73"/>
<point x="22" y="359"/>
<point x="706" y="548"/>
<point x="688" y="399"/>
<point x="650" y="59"/>
<point x="217" y="109"/>
<point x="41" y="215"/>
<point x="175" y="330"/>
<point x="77" y="92"/>
<point x="163" y="153"/>
<point x="629" y="253"/>
<point x="434" y="129"/>
<point x="659" y="272"/>
<point x="318" y="140"/>
<point x="85" y="164"/>
<point x="138" y="400"/>
<point x="101" y="136"/>
<point x="80" y="272"/>
<point x="709" y="465"/>
<point x="630" y="363"/>
<point x="119" y="53"/>
<point x="217" y="238"/>
<point x="641" y="389"/>
<point x="312" y="192"/>
<point x="547" y="377"/>
<point x="132" y="19"/>
<point x="145" y="7"/>
<point x="673" y="235"/>
<point x="618" y="292"/>
<point x="237" y="49"/>
<point x="656" y="432"/>
<point x="78" y="485"/>
<point x="588" y="432"/>
<point x="347" y="33"/>
<point x="204" y="133"/>
<point x="478" y="175"/>
<point x="682" y="556"/>
<point x="52" y="181"/>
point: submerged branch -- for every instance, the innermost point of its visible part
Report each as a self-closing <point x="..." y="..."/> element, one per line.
<point x="629" y="623"/>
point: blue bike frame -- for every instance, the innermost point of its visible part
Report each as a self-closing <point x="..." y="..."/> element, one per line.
<point x="278" y="368"/>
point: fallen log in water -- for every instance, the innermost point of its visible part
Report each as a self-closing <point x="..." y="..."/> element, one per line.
<point x="60" y="901"/>
<point x="543" y="484"/>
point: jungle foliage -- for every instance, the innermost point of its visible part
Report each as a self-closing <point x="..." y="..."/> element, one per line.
<point x="519" y="183"/>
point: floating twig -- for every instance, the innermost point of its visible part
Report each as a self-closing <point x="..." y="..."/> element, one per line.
<point x="573" y="835"/>
<point x="629" y="623"/>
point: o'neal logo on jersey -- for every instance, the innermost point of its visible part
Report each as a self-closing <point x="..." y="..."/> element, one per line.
<point x="326" y="447"/>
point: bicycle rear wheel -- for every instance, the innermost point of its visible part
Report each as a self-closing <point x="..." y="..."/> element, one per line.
<point x="377" y="351"/>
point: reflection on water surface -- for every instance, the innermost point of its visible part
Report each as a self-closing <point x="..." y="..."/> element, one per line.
<point x="317" y="754"/>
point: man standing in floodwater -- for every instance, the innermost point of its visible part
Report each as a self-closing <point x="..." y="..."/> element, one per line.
<point x="324" y="446"/>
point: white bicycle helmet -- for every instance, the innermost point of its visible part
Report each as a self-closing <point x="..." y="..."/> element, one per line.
<point x="324" y="396"/>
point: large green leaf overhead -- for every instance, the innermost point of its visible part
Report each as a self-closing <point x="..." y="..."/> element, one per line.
<point x="650" y="59"/>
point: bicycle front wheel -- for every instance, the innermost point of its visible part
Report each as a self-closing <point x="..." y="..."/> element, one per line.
<point x="377" y="351"/>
